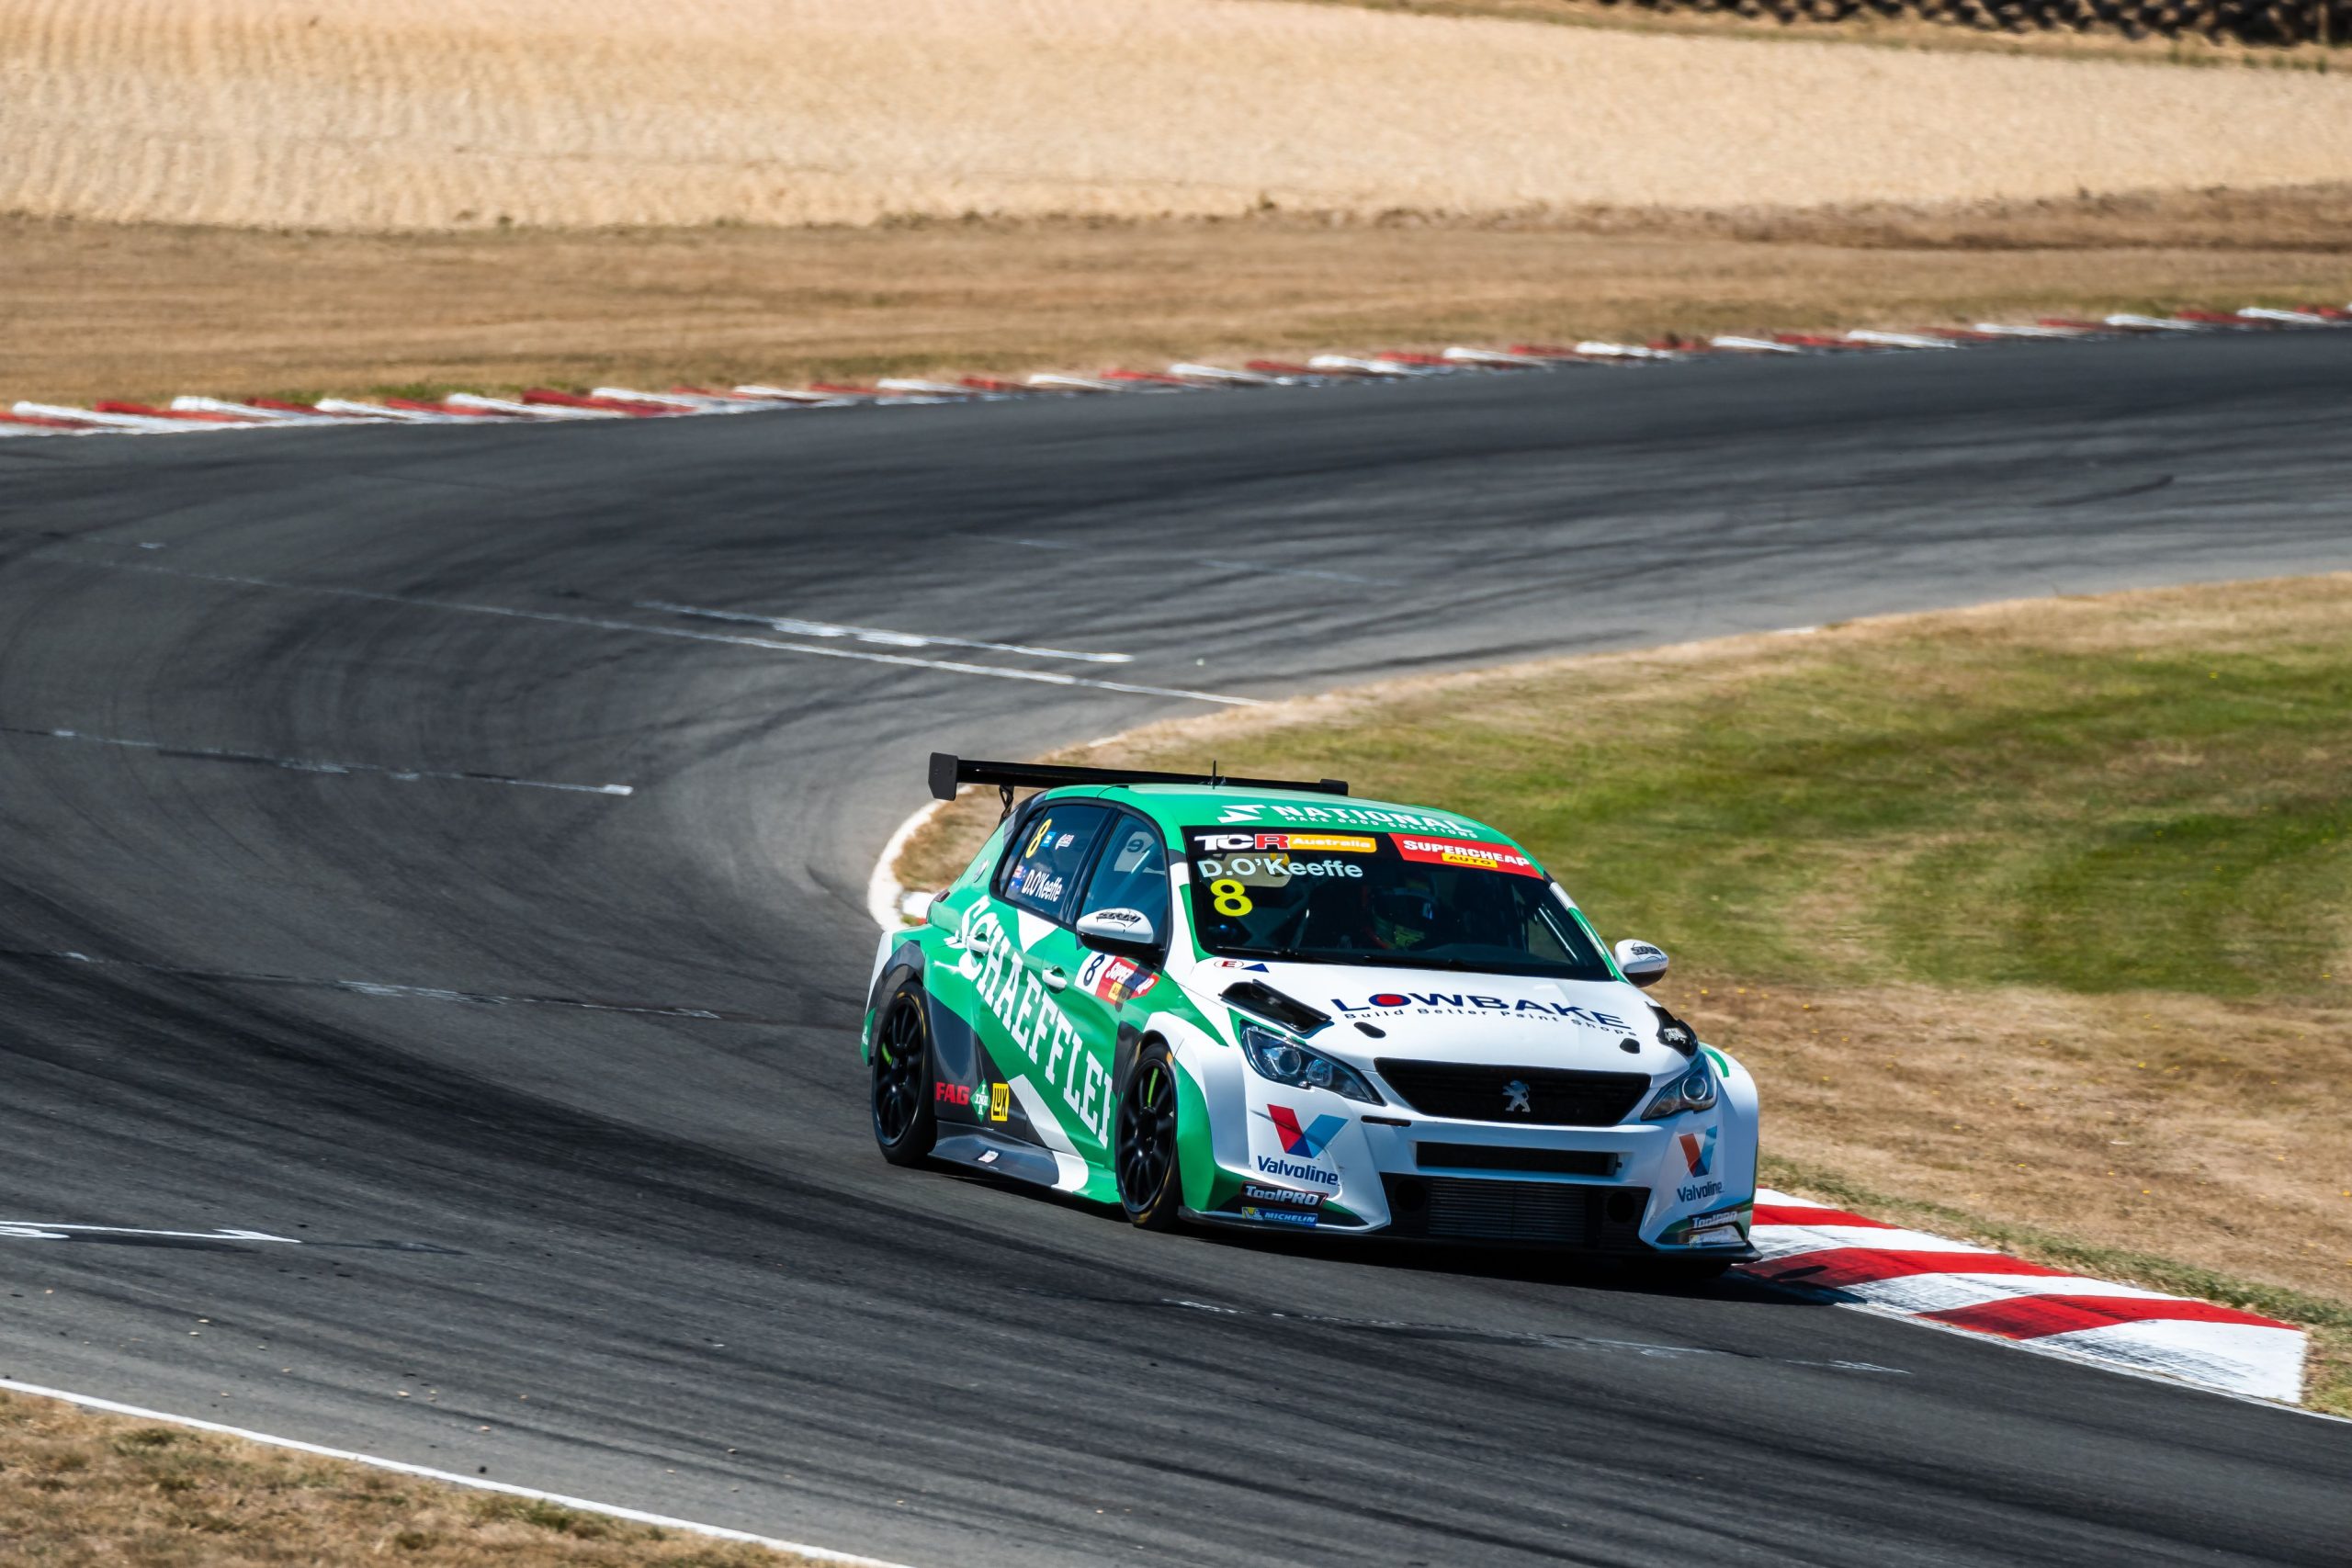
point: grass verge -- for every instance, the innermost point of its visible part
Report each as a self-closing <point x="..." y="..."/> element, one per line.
<point x="82" y="1489"/>
<point x="146" y="311"/>
<point x="2034" y="917"/>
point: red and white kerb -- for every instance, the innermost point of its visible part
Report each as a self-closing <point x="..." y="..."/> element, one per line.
<point x="1912" y="1273"/>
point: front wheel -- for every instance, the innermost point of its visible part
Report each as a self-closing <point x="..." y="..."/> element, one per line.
<point x="905" y="1125"/>
<point x="1145" y="1152"/>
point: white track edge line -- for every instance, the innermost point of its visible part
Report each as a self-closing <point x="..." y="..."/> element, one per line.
<point x="883" y="889"/>
<point x="583" y="1505"/>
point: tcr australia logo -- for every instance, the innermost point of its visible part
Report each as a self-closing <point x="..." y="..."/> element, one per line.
<point x="1699" y="1150"/>
<point x="1307" y="1142"/>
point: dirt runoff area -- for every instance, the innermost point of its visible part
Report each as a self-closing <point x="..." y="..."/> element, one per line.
<point x="423" y="114"/>
<point x="147" y="311"/>
<point x="84" y="1490"/>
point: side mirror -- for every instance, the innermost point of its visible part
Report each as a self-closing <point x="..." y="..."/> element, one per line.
<point x="1118" y="930"/>
<point x="1641" y="961"/>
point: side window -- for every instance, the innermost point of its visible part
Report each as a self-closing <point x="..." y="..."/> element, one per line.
<point x="1131" y="873"/>
<point x="1049" y="856"/>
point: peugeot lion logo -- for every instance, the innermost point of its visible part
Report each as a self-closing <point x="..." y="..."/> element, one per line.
<point x="1515" y="1096"/>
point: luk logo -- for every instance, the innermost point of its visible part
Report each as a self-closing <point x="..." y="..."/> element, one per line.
<point x="1699" y="1151"/>
<point x="1308" y="1141"/>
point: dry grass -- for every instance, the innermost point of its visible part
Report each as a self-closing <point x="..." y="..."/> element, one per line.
<point x="79" y="1490"/>
<point x="418" y="115"/>
<point x="98" y="310"/>
<point x="2152" y="770"/>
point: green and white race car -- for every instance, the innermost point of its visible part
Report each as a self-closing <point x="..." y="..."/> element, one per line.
<point x="1248" y="1002"/>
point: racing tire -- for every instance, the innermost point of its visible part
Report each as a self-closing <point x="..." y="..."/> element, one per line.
<point x="905" y="1125"/>
<point x="1143" y="1153"/>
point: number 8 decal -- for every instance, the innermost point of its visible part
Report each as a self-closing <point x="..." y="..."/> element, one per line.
<point x="1228" y="897"/>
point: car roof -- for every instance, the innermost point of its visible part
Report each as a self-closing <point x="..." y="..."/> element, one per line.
<point x="1204" y="806"/>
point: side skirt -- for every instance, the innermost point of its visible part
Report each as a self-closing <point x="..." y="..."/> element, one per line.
<point x="999" y="1154"/>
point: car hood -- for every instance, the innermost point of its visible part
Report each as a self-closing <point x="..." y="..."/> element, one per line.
<point x="1443" y="1015"/>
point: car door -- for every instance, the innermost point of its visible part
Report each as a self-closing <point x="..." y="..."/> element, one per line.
<point x="1107" y="992"/>
<point x="1024" y="979"/>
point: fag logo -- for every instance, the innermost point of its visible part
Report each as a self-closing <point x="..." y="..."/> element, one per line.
<point x="1308" y="1141"/>
<point x="1699" y="1151"/>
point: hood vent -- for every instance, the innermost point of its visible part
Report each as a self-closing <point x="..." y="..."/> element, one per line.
<point x="1256" y="996"/>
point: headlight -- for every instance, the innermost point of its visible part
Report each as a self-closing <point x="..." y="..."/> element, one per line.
<point x="1694" y="1090"/>
<point x="1286" y="1061"/>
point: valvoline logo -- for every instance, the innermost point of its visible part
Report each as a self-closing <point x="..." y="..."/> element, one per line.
<point x="1307" y="1142"/>
<point x="1699" y="1151"/>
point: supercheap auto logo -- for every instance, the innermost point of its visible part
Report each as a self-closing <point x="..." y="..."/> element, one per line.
<point x="1465" y="851"/>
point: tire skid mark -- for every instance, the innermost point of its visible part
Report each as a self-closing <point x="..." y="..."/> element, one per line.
<point x="600" y="623"/>
<point x="1470" y="1335"/>
<point x="310" y="765"/>
<point x="388" y="990"/>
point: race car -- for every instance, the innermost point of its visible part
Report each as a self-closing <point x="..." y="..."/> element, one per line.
<point x="1261" y="1003"/>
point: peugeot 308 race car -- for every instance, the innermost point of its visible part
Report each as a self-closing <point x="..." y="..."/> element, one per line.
<point x="1246" y="1002"/>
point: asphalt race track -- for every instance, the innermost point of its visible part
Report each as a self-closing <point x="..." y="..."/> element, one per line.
<point x="587" y="1060"/>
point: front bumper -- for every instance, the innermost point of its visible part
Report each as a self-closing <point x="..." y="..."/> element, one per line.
<point x="1620" y="1190"/>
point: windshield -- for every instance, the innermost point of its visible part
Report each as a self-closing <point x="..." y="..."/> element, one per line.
<point x="1401" y="899"/>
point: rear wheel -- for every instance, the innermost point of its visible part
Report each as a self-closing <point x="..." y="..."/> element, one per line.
<point x="904" y="1124"/>
<point x="1145" y="1150"/>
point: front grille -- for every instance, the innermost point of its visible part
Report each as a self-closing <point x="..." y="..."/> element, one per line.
<point x="1470" y="1208"/>
<point x="1485" y="1156"/>
<point x="1556" y="1097"/>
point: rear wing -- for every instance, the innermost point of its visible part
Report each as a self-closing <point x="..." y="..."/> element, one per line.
<point x="947" y="771"/>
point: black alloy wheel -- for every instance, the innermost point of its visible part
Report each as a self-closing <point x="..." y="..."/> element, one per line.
<point x="904" y="1124"/>
<point x="1145" y="1153"/>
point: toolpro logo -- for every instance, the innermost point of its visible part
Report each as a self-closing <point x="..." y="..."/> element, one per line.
<point x="1307" y="1142"/>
